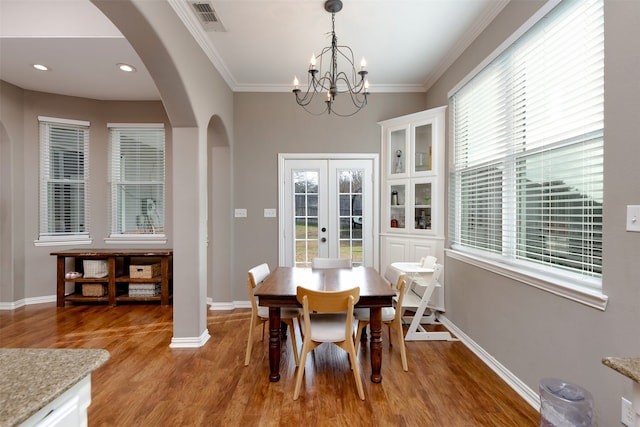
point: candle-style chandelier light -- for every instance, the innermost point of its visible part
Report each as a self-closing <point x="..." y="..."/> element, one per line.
<point x="327" y="82"/>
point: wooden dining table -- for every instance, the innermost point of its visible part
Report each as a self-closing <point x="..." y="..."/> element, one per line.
<point x="279" y="290"/>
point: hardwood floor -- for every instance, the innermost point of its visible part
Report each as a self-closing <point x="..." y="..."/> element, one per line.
<point x="146" y="383"/>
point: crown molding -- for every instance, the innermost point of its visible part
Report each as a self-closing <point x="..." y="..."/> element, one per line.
<point x="187" y="17"/>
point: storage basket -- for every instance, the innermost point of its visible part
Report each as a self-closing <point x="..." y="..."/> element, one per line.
<point x="93" y="290"/>
<point x="144" y="289"/>
<point x="144" y="271"/>
<point x="95" y="268"/>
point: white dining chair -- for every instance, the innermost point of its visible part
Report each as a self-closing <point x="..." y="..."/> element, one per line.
<point x="328" y="318"/>
<point x="391" y="316"/>
<point x="260" y="315"/>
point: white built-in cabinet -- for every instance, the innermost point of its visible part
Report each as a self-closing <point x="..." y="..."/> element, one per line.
<point x="412" y="201"/>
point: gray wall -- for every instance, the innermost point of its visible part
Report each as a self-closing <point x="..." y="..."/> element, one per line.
<point x="532" y="332"/>
<point x="12" y="266"/>
<point x="267" y="124"/>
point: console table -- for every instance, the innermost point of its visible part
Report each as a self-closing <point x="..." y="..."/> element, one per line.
<point x="118" y="278"/>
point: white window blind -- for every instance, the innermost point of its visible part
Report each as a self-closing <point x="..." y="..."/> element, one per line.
<point x="526" y="183"/>
<point x="64" y="178"/>
<point x="137" y="178"/>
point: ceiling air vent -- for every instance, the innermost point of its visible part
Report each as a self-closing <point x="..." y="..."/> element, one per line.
<point x="207" y="16"/>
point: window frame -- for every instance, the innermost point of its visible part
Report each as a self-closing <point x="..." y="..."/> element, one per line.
<point x="45" y="236"/>
<point x="576" y="287"/>
<point x="134" y="238"/>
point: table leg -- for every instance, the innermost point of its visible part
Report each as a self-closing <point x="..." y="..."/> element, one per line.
<point x="60" y="282"/>
<point x="111" y="262"/>
<point x="274" y="344"/>
<point x="164" y="284"/>
<point x="375" y="348"/>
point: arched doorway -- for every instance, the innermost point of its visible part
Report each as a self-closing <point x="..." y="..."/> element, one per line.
<point x="218" y="213"/>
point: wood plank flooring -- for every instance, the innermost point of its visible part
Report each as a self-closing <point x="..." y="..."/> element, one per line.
<point x="146" y="383"/>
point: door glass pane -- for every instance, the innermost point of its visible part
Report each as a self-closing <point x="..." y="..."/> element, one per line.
<point x="396" y="206"/>
<point x="301" y="228"/>
<point x="397" y="147"/>
<point x="350" y="214"/>
<point x="422" y="207"/>
<point x="422" y="161"/>
<point x="306" y="216"/>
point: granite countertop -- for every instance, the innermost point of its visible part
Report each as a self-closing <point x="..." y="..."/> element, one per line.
<point x="627" y="366"/>
<point x="32" y="378"/>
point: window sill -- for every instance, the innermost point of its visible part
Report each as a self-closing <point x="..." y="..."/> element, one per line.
<point x="136" y="240"/>
<point x="565" y="289"/>
<point x="61" y="241"/>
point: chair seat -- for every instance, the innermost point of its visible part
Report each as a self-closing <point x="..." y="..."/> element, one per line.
<point x="285" y="313"/>
<point x="388" y="313"/>
<point x="327" y="327"/>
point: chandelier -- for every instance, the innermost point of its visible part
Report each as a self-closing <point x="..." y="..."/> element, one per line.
<point x="324" y="77"/>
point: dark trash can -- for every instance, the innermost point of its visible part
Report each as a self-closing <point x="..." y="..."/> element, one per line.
<point x="564" y="405"/>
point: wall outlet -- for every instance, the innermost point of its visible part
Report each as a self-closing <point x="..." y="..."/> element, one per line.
<point x="628" y="416"/>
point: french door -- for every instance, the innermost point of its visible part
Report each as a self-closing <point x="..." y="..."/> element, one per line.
<point x="327" y="208"/>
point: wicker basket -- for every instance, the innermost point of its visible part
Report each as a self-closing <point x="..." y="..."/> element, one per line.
<point x="95" y="268"/>
<point x="93" y="290"/>
<point x="144" y="271"/>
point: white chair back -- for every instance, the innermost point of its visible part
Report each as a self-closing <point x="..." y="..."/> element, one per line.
<point x="259" y="273"/>
<point x="331" y="263"/>
<point x="428" y="262"/>
<point x="391" y="274"/>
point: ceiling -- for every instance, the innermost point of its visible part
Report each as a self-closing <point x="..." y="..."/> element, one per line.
<point x="407" y="43"/>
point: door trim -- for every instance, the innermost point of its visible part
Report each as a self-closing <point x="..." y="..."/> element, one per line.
<point x="375" y="229"/>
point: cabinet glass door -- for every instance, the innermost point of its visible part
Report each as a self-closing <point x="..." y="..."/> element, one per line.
<point x="422" y="213"/>
<point x="397" y="163"/>
<point x="397" y="200"/>
<point x="422" y="148"/>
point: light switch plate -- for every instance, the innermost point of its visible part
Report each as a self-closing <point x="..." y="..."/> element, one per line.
<point x="241" y="213"/>
<point x="633" y="218"/>
<point x="269" y="213"/>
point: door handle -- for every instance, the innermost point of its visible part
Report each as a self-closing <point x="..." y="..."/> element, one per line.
<point x="324" y="239"/>
<point x="324" y="229"/>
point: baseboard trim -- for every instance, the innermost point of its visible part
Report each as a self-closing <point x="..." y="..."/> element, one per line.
<point x="12" y="305"/>
<point x="514" y="382"/>
<point x="190" y="342"/>
<point x="225" y="306"/>
<point x="27" y="301"/>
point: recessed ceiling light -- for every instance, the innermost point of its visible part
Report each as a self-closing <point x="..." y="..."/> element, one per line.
<point x="126" y="67"/>
<point x="40" y="67"/>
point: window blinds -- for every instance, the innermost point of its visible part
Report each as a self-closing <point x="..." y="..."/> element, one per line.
<point x="64" y="177"/>
<point x="526" y="181"/>
<point x="137" y="175"/>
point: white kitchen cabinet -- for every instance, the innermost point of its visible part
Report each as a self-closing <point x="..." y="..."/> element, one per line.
<point x="69" y="409"/>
